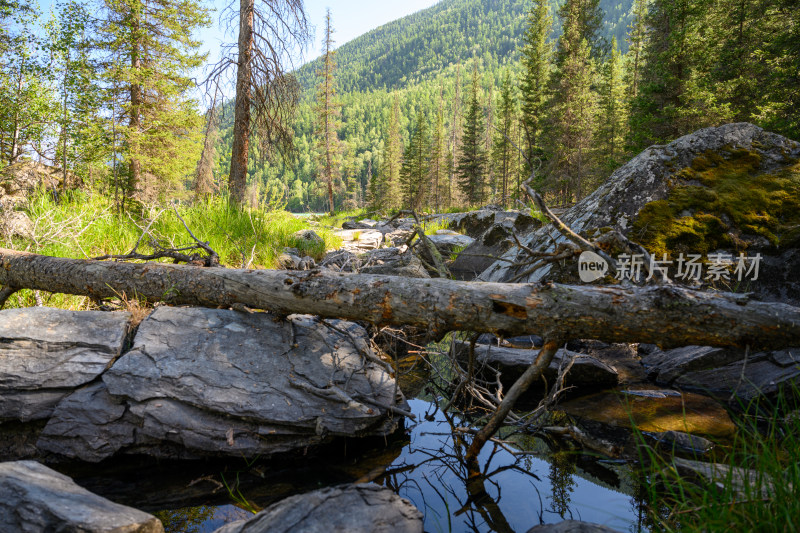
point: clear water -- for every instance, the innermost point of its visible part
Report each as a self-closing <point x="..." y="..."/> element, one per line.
<point x="519" y="490"/>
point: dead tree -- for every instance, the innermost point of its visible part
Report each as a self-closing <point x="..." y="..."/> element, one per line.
<point x="669" y="316"/>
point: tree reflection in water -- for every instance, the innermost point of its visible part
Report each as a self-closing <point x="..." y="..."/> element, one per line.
<point x="511" y="490"/>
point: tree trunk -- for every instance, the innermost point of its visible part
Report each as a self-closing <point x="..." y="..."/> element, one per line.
<point x="664" y="315"/>
<point x="237" y="182"/>
<point x="136" y="93"/>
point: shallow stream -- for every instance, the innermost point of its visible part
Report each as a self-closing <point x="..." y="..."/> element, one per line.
<point x="524" y="484"/>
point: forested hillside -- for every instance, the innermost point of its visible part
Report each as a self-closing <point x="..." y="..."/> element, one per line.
<point x="422" y="57"/>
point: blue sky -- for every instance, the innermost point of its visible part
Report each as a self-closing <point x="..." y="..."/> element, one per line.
<point x="350" y="18"/>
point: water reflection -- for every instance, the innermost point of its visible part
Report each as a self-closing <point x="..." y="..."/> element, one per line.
<point x="522" y="481"/>
<point x="515" y="490"/>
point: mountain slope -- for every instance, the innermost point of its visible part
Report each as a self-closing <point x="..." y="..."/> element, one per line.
<point x="420" y="57"/>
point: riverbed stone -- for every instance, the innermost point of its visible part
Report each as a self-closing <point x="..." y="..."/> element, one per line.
<point x="572" y="526"/>
<point x="34" y="498"/>
<point x="587" y="373"/>
<point x="367" y="508"/>
<point x="682" y="411"/>
<point x="219" y="382"/>
<point x="723" y="372"/>
<point x="46" y="353"/>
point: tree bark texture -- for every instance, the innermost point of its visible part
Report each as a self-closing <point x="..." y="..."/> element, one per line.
<point x="664" y="315"/>
<point x="237" y="181"/>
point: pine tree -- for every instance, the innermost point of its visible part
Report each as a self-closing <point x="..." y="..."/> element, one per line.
<point x="637" y="38"/>
<point x="266" y="95"/>
<point x="534" y="88"/>
<point x="416" y="166"/>
<point x="328" y="115"/>
<point x="503" y="153"/>
<point x="613" y="111"/>
<point x="438" y="161"/>
<point x="83" y="137"/>
<point x="204" y="182"/>
<point x="587" y="19"/>
<point x="26" y="102"/>
<point x="677" y="94"/>
<point x="385" y="187"/>
<point x="472" y="159"/>
<point x="571" y="169"/>
<point x="152" y="53"/>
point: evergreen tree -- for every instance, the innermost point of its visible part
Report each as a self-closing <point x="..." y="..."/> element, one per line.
<point x="534" y="88"/>
<point x="328" y="115"/>
<point x="27" y="105"/>
<point x="503" y="153"/>
<point x="385" y="186"/>
<point x="152" y="53"/>
<point x="472" y="159"/>
<point x="204" y="182"/>
<point x="438" y="161"/>
<point x="83" y="141"/>
<point x="676" y="94"/>
<point x="416" y="166"/>
<point x="571" y="170"/>
<point x="637" y="38"/>
<point x="613" y="111"/>
<point x="586" y="17"/>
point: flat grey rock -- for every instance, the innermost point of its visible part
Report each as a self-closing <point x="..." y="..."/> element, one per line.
<point x="295" y="372"/>
<point x="89" y="425"/>
<point x="723" y="371"/>
<point x="46" y="353"/>
<point x="202" y="382"/>
<point x="367" y="508"/>
<point x="587" y="372"/>
<point x="571" y="526"/>
<point x="34" y="498"/>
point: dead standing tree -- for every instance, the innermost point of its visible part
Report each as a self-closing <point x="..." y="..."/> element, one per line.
<point x="266" y="95"/>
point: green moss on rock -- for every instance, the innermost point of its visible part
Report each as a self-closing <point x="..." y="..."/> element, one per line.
<point x="720" y="197"/>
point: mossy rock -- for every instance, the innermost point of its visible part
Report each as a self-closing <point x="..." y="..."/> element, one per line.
<point x="721" y="201"/>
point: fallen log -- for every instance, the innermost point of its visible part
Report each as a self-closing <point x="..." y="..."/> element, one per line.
<point x="665" y="315"/>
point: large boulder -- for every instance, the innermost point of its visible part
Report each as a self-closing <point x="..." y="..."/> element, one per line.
<point x="34" y="498"/>
<point x="218" y="382"/>
<point x="726" y="372"/>
<point x="19" y="180"/>
<point x="367" y="508"/>
<point x="728" y="189"/>
<point x="46" y="353"/>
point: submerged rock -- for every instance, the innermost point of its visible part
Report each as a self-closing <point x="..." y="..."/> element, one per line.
<point x="218" y="382"/>
<point x="571" y="526"/>
<point x="675" y="411"/>
<point x="47" y="353"/>
<point x="684" y="442"/>
<point x="723" y="372"/>
<point x="367" y="508"/>
<point x="34" y="498"/>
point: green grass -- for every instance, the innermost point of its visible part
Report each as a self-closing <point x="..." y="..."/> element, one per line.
<point x="768" y="452"/>
<point x="337" y="219"/>
<point x="84" y="224"/>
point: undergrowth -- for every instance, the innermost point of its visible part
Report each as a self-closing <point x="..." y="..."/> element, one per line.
<point x="83" y="224"/>
<point x="757" y="488"/>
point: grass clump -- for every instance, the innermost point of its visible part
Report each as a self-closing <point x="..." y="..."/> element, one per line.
<point x="340" y="217"/>
<point x="83" y="224"/>
<point x="755" y="487"/>
<point x="719" y="198"/>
